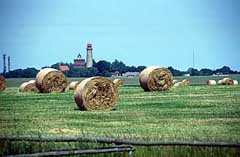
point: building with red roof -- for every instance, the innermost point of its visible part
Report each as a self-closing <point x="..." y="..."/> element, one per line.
<point x="63" y="68"/>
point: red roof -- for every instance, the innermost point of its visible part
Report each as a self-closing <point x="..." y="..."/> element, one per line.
<point x="63" y="68"/>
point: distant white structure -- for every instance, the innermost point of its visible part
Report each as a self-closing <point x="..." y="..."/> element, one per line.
<point x="115" y="73"/>
<point x="131" y="74"/>
<point x="220" y="74"/>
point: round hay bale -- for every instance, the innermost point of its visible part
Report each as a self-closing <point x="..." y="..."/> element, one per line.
<point x="220" y="82"/>
<point x="96" y="93"/>
<point x="51" y="80"/>
<point x="186" y="82"/>
<point x="178" y="84"/>
<point x="2" y="83"/>
<point x="211" y="82"/>
<point x="227" y="81"/>
<point x="118" y="83"/>
<point x="73" y="85"/>
<point x="29" y="86"/>
<point x="175" y="81"/>
<point x="235" y="82"/>
<point x="155" y="79"/>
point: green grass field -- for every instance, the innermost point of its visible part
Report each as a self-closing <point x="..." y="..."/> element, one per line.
<point x="133" y="81"/>
<point x="194" y="113"/>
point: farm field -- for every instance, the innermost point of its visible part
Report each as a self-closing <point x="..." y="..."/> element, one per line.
<point x="133" y="81"/>
<point x="194" y="113"/>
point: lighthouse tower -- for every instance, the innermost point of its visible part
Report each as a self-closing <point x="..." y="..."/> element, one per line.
<point x="89" y="63"/>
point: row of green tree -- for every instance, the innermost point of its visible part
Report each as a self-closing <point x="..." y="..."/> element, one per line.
<point x="100" y="68"/>
<point x="207" y="72"/>
<point x="105" y="68"/>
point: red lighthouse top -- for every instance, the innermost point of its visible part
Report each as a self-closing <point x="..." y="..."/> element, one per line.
<point x="89" y="46"/>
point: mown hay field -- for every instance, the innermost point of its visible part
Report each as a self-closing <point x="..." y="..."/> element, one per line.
<point x="134" y="81"/>
<point x="192" y="113"/>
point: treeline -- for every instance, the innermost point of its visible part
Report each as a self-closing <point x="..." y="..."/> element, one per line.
<point x="203" y="72"/>
<point x="206" y="72"/>
<point x="107" y="69"/>
<point x="100" y="68"/>
<point x="21" y="73"/>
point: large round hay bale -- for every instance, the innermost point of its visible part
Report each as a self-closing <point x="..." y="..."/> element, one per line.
<point x="220" y="82"/>
<point x="227" y="81"/>
<point x="178" y="84"/>
<point x="155" y="79"/>
<point x="29" y="86"/>
<point x="73" y="85"/>
<point x="96" y="93"/>
<point x="186" y="82"/>
<point x="235" y="82"/>
<point x="175" y="81"/>
<point x="211" y="82"/>
<point x="2" y="83"/>
<point x="51" y="80"/>
<point x="118" y="83"/>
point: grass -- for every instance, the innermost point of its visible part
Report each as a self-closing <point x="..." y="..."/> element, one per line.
<point x="133" y="81"/>
<point x="201" y="113"/>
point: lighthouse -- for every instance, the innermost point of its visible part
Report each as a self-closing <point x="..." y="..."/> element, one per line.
<point x="89" y="63"/>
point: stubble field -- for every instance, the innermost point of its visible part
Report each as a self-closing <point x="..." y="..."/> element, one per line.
<point x="194" y="113"/>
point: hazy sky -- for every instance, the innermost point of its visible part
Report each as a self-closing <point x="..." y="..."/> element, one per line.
<point x="148" y="32"/>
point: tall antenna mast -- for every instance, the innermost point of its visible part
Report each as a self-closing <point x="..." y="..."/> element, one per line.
<point x="4" y="63"/>
<point x="9" y="63"/>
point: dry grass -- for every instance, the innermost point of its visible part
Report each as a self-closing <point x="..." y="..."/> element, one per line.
<point x="51" y="80"/>
<point x="118" y="83"/>
<point x="186" y="82"/>
<point x="235" y="82"/>
<point x="211" y="82"/>
<point x="2" y="83"/>
<point x="73" y="85"/>
<point x="227" y="81"/>
<point x="29" y="86"/>
<point x="96" y="93"/>
<point x="155" y="79"/>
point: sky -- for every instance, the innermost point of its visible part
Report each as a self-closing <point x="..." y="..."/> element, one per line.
<point x="148" y="32"/>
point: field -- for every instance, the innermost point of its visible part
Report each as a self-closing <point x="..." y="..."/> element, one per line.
<point x="194" y="113"/>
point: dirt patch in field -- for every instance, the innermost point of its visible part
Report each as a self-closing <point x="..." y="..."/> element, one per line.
<point x="65" y="131"/>
<point x="117" y="123"/>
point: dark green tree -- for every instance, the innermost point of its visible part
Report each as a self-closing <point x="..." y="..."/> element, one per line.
<point x="131" y="68"/>
<point x="140" y="68"/>
<point x="22" y="73"/>
<point x="193" y="72"/>
<point x="206" y="72"/>
<point x="103" y="65"/>
<point x="55" y="66"/>
<point x="106" y="73"/>
<point x="224" y="70"/>
<point x="118" y="66"/>
<point x="175" y="72"/>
